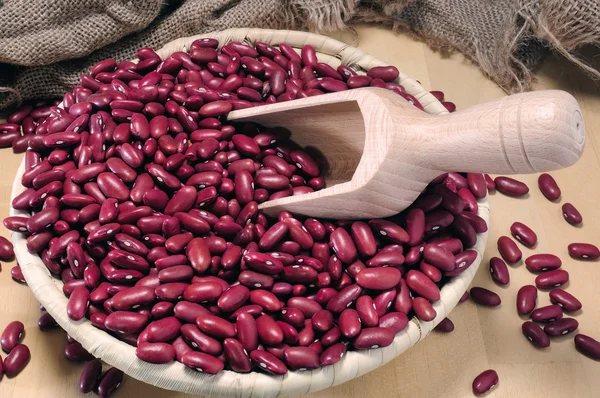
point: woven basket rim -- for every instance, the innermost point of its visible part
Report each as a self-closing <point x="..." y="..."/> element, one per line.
<point x="176" y="376"/>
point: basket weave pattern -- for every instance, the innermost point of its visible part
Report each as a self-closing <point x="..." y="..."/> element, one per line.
<point x="175" y="376"/>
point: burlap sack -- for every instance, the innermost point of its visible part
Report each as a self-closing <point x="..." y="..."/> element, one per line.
<point x="506" y="38"/>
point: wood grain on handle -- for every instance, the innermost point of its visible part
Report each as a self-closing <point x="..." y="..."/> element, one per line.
<point x="522" y="133"/>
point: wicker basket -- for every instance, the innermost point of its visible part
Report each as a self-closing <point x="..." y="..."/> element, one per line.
<point x="175" y="376"/>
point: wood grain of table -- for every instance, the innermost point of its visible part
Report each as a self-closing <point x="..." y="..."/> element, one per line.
<point x="441" y="365"/>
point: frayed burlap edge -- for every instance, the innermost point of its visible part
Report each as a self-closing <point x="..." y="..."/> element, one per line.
<point x="565" y="28"/>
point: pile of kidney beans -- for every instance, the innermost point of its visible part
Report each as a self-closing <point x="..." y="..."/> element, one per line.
<point x="144" y="201"/>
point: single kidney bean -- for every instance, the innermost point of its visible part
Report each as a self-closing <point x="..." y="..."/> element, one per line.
<point x="6" y="249"/>
<point x="268" y="362"/>
<point x="415" y="226"/>
<point x="322" y="320"/>
<point x="268" y="331"/>
<point x="233" y="298"/>
<point x="157" y="353"/>
<point x="565" y="300"/>
<point x="510" y="186"/>
<point x="561" y="327"/>
<point x="17" y="360"/>
<point x="485" y="297"/>
<point x="382" y="278"/>
<point x="548" y="313"/>
<point x="552" y="279"/>
<point x="485" y="381"/>
<point x="445" y="326"/>
<point x="344" y="298"/>
<point x="395" y="321"/>
<point x="477" y="184"/>
<point x="332" y="354"/>
<point x="535" y="334"/>
<point x="163" y="330"/>
<point x="215" y="326"/>
<point x="389" y="230"/>
<point x="523" y="234"/>
<point x="439" y="257"/>
<point x="125" y="322"/>
<point x="236" y="356"/>
<point x="77" y="305"/>
<point x="199" y="340"/>
<point x="571" y="214"/>
<point x="12" y="335"/>
<point x="588" y="346"/>
<point x="548" y="186"/>
<point x="90" y="375"/>
<point x="509" y="250"/>
<point x="363" y="238"/>
<point x="374" y="338"/>
<point x="301" y="358"/>
<point x="46" y="322"/>
<point x="423" y="309"/>
<point x="422" y="285"/>
<point x="75" y="352"/>
<point x="366" y="311"/>
<point x="585" y="251"/>
<point x="526" y="299"/>
<point x="499" y="271"/>
<point x="109" y="382"/>
<point x="542" y="262"/>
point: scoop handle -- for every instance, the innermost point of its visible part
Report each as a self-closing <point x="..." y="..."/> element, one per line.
<point x="522" y="133"/>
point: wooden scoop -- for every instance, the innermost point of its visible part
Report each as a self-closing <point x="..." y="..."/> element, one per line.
<point x="382" y="151"/>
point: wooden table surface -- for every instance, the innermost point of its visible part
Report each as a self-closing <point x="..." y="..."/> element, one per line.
<point x="441" y="365"/>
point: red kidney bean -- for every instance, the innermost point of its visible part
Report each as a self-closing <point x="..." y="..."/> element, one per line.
<point x="485" y="297"/>
<point x="526" y="299"/>
<point x="343" y="246"/>
<point x="477" y="184"/>
<point x="90" y="375"/>
<point x="535" y="335"/>
<point x="499" y="271"/>
<point x="125" y="322"/>
<point x="523" y="234"/>
<point x="293" y="316"/>
<point x="394" y="321"/>
<point x="548" y="313"/>
<point x="163" y="330"/>
<point x="344" y="298"/>
<point x="571" y="214"/>
<point x="109" y="382"/>
<point x="542" y="262"/>
<point x="485" y="381"/>
<point x="269" y="331"/>
<point x="268" y="362"/>
<point x="423" y="286"/>
<point x="588" y="346"/>
<point x="157" y="353"/>
<point x="78" y="303"/>
<point x="162" y="310"/>
<point x="561" y="327"/>
<point x="306" y="306"/>
<point x="233" y="298"/>
<point x="509" y="250"/>
<point x="445" y="326"/>
<point x="16" y="361"/>
<point x="366" y="311"/>
<point x="215" y="326"/>
<point x="439" y="257"/>
<point x="548" y="186"/>
<point x="585" y="251"/>
<point x="510" y="186"/>
<point x="46" y="322"/>
<point x="301" y="358"/>
<point x="199" y="340"/>
<point x="389" y="231"/>
<point x="332" y="354"/>
<point x="385" y="73"/>
<point x="565" y="300"/>
<point x="552" y="279"/>
<point x="423" y="309"/>
<point x="267" y="300"/>
<point x="75" y="352"/>
<point x="12" y="335"/>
